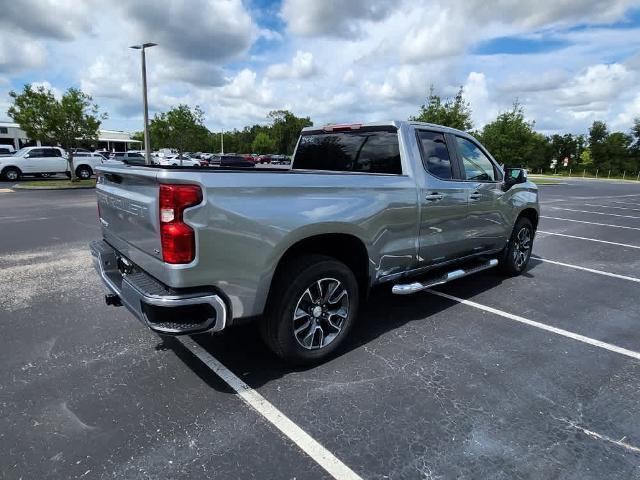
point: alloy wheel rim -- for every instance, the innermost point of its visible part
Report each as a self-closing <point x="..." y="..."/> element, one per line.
<point x="320" y="313"/>
<point x="84" y="174"/>
<point x="522" y="247"/>
<point x="11" y="175"/>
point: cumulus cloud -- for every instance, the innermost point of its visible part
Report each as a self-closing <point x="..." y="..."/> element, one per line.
<point x="18" y="53"/>
<point x="302" y="66"/>
<point x="206" y="30"/>
<point x="48" y="19"/>
<point x="336" y="18"/>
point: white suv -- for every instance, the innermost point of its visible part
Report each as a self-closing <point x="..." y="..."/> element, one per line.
<point x="46" y="160"/>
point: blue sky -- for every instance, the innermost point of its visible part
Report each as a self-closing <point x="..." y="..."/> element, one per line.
<point x="569" y="62"/>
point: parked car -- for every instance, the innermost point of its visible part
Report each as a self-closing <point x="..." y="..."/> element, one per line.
<point x="407" y="204"/>
<point x="179" y="160"/>
<point x="230" y="160"/>
<point x="280" y="159"/>
<point x="33" y="161"/>
<point x="264" y="159"/>
<point x="6" y="150"/>
<point x="131" y="158"/>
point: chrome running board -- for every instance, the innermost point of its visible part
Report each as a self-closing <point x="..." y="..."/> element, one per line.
<point x="409" y="288"/>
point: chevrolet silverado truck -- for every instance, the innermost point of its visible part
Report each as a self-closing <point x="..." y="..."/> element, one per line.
<point x="408" y="204"/>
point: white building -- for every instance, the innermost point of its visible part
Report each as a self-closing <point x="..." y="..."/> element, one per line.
<point x="110" y="140"/>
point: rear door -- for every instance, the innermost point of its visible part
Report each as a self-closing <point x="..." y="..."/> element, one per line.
<point x="443" y="196"/>
<point x="487" y="227"/>
<point x="55" y="162"/>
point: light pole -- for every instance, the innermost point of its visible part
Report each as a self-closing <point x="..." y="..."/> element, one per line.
<point x="147" y="141"/>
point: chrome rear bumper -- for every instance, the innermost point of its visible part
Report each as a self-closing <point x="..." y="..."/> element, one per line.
<point x="161" y="308"/>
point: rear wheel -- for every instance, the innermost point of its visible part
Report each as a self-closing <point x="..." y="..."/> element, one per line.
<point x="517" y="253"/>
<point x="311" y="309"/>
<point x="11" y="174"/>
<point x="84" y="172"/>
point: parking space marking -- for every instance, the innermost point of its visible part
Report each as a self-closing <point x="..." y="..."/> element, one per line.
<point x="626" y="203"/>
<point x="589" y="239"/>
<point x="590" y="223"/>
<point x="541" y="326"/>
<point x="293" y="432"/>
<point x="6" y="190"/>
<point x="612" y="206"/>
<point x="595" y="213"/>
<point x="590" y="270"/>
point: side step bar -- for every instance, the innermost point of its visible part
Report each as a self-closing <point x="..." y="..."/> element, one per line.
<point x="409" y="288"/>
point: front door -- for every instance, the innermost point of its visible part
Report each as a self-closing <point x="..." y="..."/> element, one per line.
<point x="487" y="227"/>
<point x="443" y="198"/>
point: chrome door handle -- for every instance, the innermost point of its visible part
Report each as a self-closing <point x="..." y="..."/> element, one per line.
<point x="475" y="196"/>
<point x="433" y="197"/>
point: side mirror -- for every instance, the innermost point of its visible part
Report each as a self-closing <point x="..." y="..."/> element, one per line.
<point x="513" y="176"/>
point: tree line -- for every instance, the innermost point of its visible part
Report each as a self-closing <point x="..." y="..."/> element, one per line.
<point x="183" y="129"/>
<point x="74" y="120"/>
<point x="513" y="141"/>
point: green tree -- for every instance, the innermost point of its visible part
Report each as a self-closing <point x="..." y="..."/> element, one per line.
<point x="72" y="119"/>
<point x="32" y="109"/>
<point x="182" y="128"/>
<point x="512" y="140"/>
<point x="262" y="144"/>
<point x="285" y="129"/>
<point x="598" y="134"/>
<point x="635" y="133"/>
<point x="453" y="112"/>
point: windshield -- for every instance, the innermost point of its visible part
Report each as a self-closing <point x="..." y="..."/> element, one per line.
<point x="20" y="152"/>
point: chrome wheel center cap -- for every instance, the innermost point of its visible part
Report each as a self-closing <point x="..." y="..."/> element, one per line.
<point x="317" y="311"/>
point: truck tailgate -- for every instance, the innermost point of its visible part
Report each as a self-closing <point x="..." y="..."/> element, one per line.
<point x="128" y="207"/>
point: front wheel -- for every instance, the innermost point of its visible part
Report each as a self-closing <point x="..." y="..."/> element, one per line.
<point x="517" y="253"/>
<point x="311" y="309"/>
<point x="11" y="174"/>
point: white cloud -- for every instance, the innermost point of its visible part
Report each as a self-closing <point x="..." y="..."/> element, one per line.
<point x="337" y="18"/>
<point x="302" y="66"/>
<point x="18" y="53"/>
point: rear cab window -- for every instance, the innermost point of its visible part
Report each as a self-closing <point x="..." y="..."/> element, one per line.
<point x="361" y="150"/>
<point x="435" y="154"/>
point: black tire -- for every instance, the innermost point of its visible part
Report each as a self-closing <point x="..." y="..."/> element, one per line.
<point x="84" y="172"/>
<point x="11" y="174"/>
<point x="289" y="296"/>
<point x="516" y="255"/>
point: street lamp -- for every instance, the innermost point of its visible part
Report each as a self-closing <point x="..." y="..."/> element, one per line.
<point x="147" y="141"/>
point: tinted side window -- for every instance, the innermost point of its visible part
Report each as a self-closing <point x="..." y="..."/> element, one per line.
<point x="365" y="150"/>
<point x="36" y="153"/>
<point x="476" y="164"/>
<point x="435" y="154"/>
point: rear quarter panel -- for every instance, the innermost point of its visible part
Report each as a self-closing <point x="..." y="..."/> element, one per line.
<point x="249" y="220"/>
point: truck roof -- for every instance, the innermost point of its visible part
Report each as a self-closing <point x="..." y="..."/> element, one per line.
<point x="388" y="123"/>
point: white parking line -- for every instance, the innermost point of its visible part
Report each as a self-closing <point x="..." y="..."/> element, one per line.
<point x="590" y="223"/>
<point x="612" y="206"/>
<point x="626" y="203"/>
<point x="595" y="213"/>
<point x="590" y="270"/>
<point x="293" y="432"/>
<point x="541" y="326"/>
<point x="589" y="239"/>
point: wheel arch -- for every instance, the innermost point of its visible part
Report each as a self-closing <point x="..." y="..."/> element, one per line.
<point x="347" y="248"/>
<point x="531" y="214"/>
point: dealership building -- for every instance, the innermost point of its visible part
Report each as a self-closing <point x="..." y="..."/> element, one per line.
<point x="109" y="140"/>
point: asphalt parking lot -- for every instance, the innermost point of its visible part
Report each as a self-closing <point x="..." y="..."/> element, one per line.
<point x="537" y="377"/>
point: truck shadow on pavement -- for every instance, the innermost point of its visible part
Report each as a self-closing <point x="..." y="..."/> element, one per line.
<point x="242" y="351"/>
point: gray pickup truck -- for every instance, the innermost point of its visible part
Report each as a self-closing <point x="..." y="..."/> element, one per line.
<point x="407" y="204"/>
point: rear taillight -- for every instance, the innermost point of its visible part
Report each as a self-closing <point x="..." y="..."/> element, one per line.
<point x="178" y="238"/>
